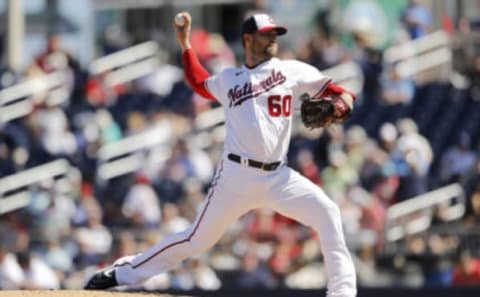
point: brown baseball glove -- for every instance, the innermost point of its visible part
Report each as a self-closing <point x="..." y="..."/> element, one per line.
<point x="322" y="112"/>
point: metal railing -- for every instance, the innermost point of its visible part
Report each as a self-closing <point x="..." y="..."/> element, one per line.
<point x="17" y="101"/>
<point x="128" y="64"/>
<point x="127" y="155"/>
<point x="124" y="57"/>
<point x="15" y="189"/>
<point x="414" y="57"/>
<point x="415" y="215"/>
<point x="120" y="67"/>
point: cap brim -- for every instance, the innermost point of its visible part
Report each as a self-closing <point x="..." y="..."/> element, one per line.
<point x="280" y="30"/>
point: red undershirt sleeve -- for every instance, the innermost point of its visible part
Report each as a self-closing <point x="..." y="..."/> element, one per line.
<point x="333" y="89"/>
<point x="196" y="74"/>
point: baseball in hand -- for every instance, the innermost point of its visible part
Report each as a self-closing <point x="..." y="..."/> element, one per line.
<point x="179" y="20"/>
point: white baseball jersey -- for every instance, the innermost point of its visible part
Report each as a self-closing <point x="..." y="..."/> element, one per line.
<point x="258" y="105"/>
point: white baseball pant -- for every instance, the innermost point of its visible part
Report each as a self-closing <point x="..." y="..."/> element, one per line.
<point x="235" y="190"/>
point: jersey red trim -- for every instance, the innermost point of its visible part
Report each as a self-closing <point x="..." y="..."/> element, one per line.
<point x="195" y="74"/>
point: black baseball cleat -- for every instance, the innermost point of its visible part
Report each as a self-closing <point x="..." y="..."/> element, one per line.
<point x="102" y="279"/>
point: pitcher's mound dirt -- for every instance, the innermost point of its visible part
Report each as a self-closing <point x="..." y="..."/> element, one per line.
<point x="79" y="293"/>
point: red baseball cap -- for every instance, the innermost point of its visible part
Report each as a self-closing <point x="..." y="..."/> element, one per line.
<point x="261" y="23"/>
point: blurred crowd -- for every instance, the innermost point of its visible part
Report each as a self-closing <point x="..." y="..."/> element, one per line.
<point x="400" y="143"/>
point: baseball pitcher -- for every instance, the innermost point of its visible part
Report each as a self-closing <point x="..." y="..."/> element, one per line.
<point x="257" y="98"/>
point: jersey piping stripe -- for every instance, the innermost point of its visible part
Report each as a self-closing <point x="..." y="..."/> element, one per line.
<point x="212" y="191"/>
<point x="323" y="88"/>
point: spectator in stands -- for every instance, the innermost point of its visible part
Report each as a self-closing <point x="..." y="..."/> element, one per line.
<point x="57" y="257"/>
<point x="157" y="282"/>
<point x="182" y="278"/>
<point x="202" y="164"/>
<point x="338" y="175"/>
<point x="438" y="263"/>
<point x="113" y="39"/>
<point x="463" y="48"/>
<point x="472" y="219"/>
<point x="18" y="236"/>
<point x="351" y="213"/>
<point x="99" y="93"/>
<point x="187" y="162"/>
<point x="335" y="141"/>
<point x="332" y="52"/>
<point x="396" y="92"/>
<point x="467" y="270"/>
<point x="411" y="138"/>
<point x="14" y="135"/>
<point x="369" y="273"/>
<point x="54" y="58"/>
<point x="373" y="214"/>
<point x="307" y="166"/>
<point x="364" y="217"/>
<point x="136" y="123"/>
<point x="417" y="19"/>
<point x="7" y="77"/>
<point x="36" y="273"/>
<point x="193" y="197"/>
<point x="125" y="244"/>
<point x="56" y="137"/>
<point x="309" y="269"/>
<point x="379" y="174"/>
<point x="466" y="52"/>
<point x="284" y="259"/>
<point x="37" y="151"/>
<point x="54" y="211"/>
<point x="388" y="136"/>
<point x="178" y="168"/>
<point x="315" y="141"/>
<point x="369" y="58"/>
<point x="11" y="274"/>
<point x="86" y="204"/>
<point x="254" y="274"/>
<point x="6" y="162"/>
<point x="263" y="227"/>
<point x="386" y="185"/>
<point x="458" y="160"/>
<point x="172" y="221"/>
<point x="356" y="142"/>
<point x="413" y="161"/>
<point x="94" y="239"/>
<point x="142" y="205"/>
<point x="204" y="277"/>
<point x="311" y="54"/>
<point x="110" y="131"/>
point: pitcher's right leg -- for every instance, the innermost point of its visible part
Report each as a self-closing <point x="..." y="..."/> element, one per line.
<point x="219" y="210"/>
